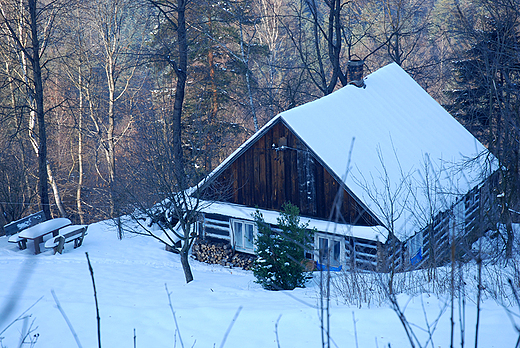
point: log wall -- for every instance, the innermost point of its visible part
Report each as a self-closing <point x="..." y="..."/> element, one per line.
<point x="279" y="168"/>
<point x="458" y="227"/>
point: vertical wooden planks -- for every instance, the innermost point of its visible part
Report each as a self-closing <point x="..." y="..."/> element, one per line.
<point x="279" y="168"/>
<point x="260" y="174"/>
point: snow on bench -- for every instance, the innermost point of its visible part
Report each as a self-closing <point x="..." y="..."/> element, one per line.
<point x="71" y="233"/>
<point x="22" y="242"/>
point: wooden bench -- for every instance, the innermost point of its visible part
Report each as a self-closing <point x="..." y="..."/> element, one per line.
<point x="71" y="233"/>
<point x="17" y="226"/>
<point x="22" y="242"/>
<point x="37" y="232"/>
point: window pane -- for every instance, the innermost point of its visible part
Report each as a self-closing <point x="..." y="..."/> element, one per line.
<point x="249" y="236"/>
<point x="238" y="235"/>
<point x="335" y="257"/>
<point x="324" y="250"/>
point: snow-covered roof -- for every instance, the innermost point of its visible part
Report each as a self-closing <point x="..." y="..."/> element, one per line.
<point x="403" y="142"/>
<point x="395" y="148"/>
<point x="246" y="213"/>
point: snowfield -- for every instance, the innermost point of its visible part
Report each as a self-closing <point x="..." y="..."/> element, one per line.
<point x="131" y="277"/>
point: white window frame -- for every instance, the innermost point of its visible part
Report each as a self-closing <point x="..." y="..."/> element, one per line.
<point x="331" y="238"/>
<point x="240" y="242"/>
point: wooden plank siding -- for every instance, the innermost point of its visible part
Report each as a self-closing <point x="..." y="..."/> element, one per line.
<point x="448" y="230"/>
<point x="279" y="168"/>
<point x="216" y="226"/>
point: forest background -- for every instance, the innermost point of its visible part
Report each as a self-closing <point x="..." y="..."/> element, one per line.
<point x="105" y="101"/>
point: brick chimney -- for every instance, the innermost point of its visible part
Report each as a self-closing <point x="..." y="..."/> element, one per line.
<point x="355" y="73"/>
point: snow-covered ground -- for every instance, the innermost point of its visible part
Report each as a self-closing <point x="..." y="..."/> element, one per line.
<point x="131" y="275"/>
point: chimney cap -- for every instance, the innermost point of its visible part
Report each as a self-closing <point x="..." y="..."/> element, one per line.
<point x="356" y="62"/>
<point x="355" y="72"/>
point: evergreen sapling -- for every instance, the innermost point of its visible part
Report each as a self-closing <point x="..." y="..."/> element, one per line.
<point x="281" y="254"/>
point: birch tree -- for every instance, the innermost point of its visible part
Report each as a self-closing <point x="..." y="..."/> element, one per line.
<point x="30" y="26"/>
<point x="118" y="43"/>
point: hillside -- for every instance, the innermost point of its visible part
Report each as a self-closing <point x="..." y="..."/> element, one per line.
<point x="131" y="275"/>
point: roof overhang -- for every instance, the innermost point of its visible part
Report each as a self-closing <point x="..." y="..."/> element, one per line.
<point x="236" y="211"/>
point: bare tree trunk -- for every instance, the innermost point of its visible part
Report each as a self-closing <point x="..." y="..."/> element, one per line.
<point x="479" y="292"/>
<point x="211" y="62"/>
<point x="56" y="192"/>
<point x="40" y="112"/>
<point x="188" y="275"/>
<point x="335" y="45"/>
<point x="452" y="290"/>
<point x="319" y="58"/>
<point x="181" y="72"/>
<point x="109" y="146"/>
<point x="180" y="172"/>
<point x="210" y="139"/>
<point x="245" y="60"/>
<point x="269" y="33"/>
<point x="180" y="202"/>
<point x="111" y="18"/>
<point x="37" y="148"/>
<point x="11" y="85"/>
<point x="80" y="151"/>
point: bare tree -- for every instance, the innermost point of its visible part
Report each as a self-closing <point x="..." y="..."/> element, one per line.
<point x="163" y="210"/>
<point x="118" y="44"/>
<point x="282" y="81"/>
<point x="311" y="17"/>
<point x="403" y="28"/>
<point x="326" y="35"/>
<point x="270" y="34"/>
<point x="391" y="200"/>
<point x="170" y="177"/>
<point x="18" y="189"/>
<point x="77" y="67"/>
<point x="30" y="28"/>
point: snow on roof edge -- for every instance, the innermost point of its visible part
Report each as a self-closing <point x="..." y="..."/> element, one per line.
<point x="374" y="233"/>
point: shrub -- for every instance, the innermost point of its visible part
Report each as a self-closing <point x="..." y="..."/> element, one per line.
<point x="281" y="252"/>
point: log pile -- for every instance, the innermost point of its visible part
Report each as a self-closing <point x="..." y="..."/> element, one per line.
<point x="222" y="254"/>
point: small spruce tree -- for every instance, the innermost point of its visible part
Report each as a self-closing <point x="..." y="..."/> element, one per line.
<point x="281" y="255"/>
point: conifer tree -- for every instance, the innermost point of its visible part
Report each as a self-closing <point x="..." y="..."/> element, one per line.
<point x="484" y="95"/>
<point x="281" y="254"/>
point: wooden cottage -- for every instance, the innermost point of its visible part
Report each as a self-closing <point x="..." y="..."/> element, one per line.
<point x="367" y="166"/>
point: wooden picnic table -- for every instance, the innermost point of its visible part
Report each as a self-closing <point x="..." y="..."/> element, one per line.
<point x="37" y="232"/>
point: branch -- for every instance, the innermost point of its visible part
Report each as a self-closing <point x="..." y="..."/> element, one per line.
<point x="230" y="327"/>
<point x="69" y="324"/>
<point x="173" y="313"/>
<point x="95" y="299"/>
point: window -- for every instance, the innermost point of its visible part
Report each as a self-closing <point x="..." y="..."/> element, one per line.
<point x="458" y="221"/>
<point x="330" y="250"/>
<point x="244" y="233"/>
<point x="415" y="245"/>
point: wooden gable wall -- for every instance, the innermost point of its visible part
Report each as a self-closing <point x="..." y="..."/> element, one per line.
<point x="279" y="168"/>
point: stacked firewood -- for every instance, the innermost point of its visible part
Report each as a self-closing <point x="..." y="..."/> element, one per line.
<point x="222" y="254"/>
